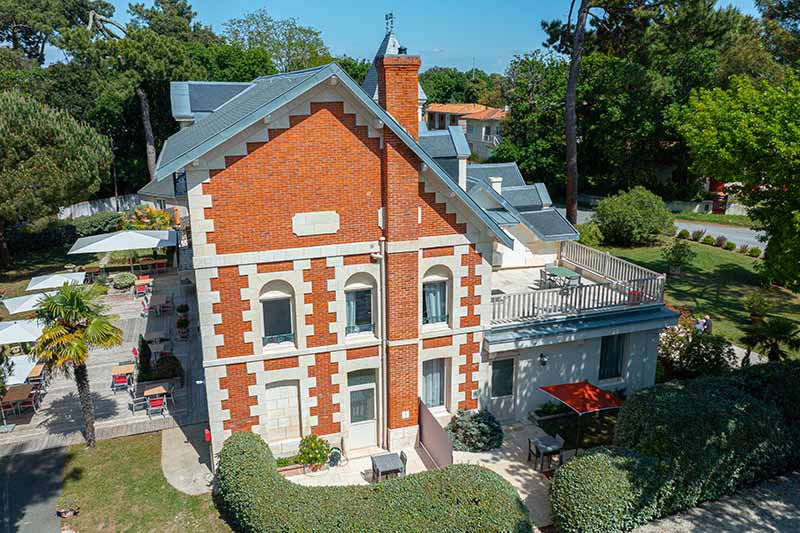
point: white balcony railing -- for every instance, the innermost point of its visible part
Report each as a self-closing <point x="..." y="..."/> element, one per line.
<point x="628" y="285"/>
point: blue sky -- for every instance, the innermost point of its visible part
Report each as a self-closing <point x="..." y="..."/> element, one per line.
<point x="443" y="32"/>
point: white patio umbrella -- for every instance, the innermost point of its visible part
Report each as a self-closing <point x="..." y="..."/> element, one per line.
<point x="29" y="302"/>
<point x="21" y="367"/>
<point x="52" y="281"/>
<point x="17" y="331"/>
<point x="124" y="240"/>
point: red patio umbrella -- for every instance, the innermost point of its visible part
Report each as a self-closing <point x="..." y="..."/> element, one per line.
<point x="582" y="397"/>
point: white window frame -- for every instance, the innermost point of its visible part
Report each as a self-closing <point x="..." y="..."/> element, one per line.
<point x="278" y="294"/>
<point x="513" y="378"/>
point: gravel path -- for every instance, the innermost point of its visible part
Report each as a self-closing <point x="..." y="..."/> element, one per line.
<point x="771" y="506"/>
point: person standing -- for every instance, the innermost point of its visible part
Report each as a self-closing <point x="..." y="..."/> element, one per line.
<point x="699" y="325"/>
<point x="707" y="325"/>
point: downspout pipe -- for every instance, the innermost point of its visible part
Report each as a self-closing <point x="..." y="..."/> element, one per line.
<point x="383" y="329"/>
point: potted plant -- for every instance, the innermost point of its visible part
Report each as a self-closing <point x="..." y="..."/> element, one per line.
<point x="313" y="453"/>
<point x="69" y="508"/>
<point x="677" y="256"/>
<point x="183" y="311"/>
<point x="757" y="306"/>
<point x="183" y="328"/>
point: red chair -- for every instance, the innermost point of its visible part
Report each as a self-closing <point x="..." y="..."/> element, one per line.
<point x="135" y="353"/>
<point x="156" y="406"/>
<point x="119" y="382"/>
<point x="140" y="291"/>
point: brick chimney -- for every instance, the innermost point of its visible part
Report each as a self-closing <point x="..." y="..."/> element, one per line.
<point x="398" y="93"/>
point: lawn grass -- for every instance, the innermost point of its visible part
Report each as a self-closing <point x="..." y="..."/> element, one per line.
<point x="728" y="220"/>
<point x="597" y="429"/>
<point x="715" y="283"/>
<point x="119" y="487"/>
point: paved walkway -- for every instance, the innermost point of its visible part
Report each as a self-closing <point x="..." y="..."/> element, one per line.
<point x="59" y="421"/>
<point x="771" y="506"/>
<point x="186" y="459"/>
<point x="29" y="489"/>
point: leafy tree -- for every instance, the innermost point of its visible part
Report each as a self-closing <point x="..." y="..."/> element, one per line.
<point x="48" y="159"/>
<point x="30" y="26"/>
<point x="355" y="68"/>
<point x="678" y="254"/>
<point x="633" y="217"/>
<point x="229" y="62"/>
<point x="75" y="323"/>
<point x="145" y="217"/>
<point x="172" y="18"/>
<point x="773" y="337"/>
<point x="291" y="45"/>
<point x="749" y="134"/>
<point x="450" y="85"/>
<point x="781" y="19"/>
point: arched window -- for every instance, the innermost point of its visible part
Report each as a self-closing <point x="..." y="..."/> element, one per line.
<point x="277" y="311"/>
<point x="360" y="306"/>
<point x="436" y="288"/>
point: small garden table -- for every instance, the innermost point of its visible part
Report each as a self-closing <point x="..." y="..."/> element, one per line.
<point x="387" y="463"/>
<point x="123" y="370"/>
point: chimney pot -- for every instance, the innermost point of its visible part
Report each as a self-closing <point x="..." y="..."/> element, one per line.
<point x="402" y="50"/>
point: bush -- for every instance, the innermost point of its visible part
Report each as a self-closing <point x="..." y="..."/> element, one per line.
<point x="721" y="241"/>
<point x="633" y="217"/>
<point x="167" y="367"/>
<point x="729" y="246"/>
<point x="144" y="217"/>
<point x="313" y="451"/>
<point x="755" y="304"/>
<point x="678" y="254"/>
<point x="705" y="355"/>
<point x="622" y="492"/>
<point x="698" y="234"/>
<point x="709" y="240"/>
<point x="683" y="234"/>
<point x="590" y="234"/>
<point x="743" y="248"/>
<point x="552" y="408"/>
<point x="123" y="280"/>
<point x="256" y="498"/>
<point x="145" y="355"/>
<point x="755" y="251"/>
<point x="475" y="431"/>
<point x="711" y="436"/>
<point x="95" y="224"/>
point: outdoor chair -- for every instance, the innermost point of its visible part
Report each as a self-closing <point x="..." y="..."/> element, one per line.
<point x="156" y="406"/>
<point x="137" y="404"/>
<point x="404" y="460"/>
<point x="140" y="291"/>
<point x="119" y="382"/>
<point x="146" y="308"/>
<point x="374" y="470"/>
<point x="160" y="266"/>
<point x="574" y="282"/>
<point x="135" y="353"/>
<point x="31" y="402"/>
<point x="8" y="407"/>
<point x="170" y="395"/>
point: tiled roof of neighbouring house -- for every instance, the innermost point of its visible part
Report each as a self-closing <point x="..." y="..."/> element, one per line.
<point x="389" y="47"/>
<point x="491" y="113"/>
<point x="455" y="109"/>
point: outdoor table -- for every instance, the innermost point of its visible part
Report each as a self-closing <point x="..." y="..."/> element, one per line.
<point x="158" y="390"/>
<point x="546" y="445"/>
<point x="154" y="336"/>
<point x="36" y="372"/>
<point x="561" y="274"/>
<point x="148" y="281"/>
<point x="123" y="370"/>
<point x="17" y="393"/>
<point x="157" y="300"/>
<point x="388" y="463"/>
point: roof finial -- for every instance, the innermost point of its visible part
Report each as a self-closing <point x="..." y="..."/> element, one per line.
<point x="389" y="22"/>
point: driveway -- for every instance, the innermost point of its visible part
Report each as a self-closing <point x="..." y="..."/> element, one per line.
<point x="771" y="506"/>
<point x="30" y="485"/>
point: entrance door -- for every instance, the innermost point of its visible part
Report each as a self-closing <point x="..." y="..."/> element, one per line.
<point x="433" y="383"/>
<point x="363" y="424"/>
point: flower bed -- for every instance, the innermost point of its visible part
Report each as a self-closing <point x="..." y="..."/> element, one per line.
<point x="458" y="498"/>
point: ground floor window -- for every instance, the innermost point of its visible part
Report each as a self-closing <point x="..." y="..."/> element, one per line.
<point x="502" y="378"/>
<point x="433" y="382"/>
<point x="612" y="352"/>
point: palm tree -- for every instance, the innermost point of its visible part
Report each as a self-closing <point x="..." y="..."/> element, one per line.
<point x="74" y="323"/>
<point x="774" y="337"/>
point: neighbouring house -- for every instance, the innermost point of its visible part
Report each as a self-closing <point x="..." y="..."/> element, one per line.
<point x="480" y="123"/>
<point x="483" y="131"/>
<point x="349" y="263"/>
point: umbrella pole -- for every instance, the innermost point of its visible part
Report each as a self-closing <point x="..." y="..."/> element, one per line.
<point x="579" y="436"/>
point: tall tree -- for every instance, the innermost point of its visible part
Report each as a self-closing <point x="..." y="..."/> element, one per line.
<point x="30" y="25"/>
<point x="48" y="159"/>
<point x="782" y="28"/>
<point x="291" y="45"/>
<point x="355" y="68"/>
<point x="749" y="134"/>
<point x="775" y="337"/>
<point x="75" y="322"/>
<point x="172" y="18"/>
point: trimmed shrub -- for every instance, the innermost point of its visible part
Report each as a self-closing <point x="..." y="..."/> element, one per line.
<point x="711" y="436"/>
<point x="683" y="234"/>
<point x="95" y="224"/>
<point x="698" y="234"/>
<point x="457" y="498"/>
<point x="619" y="488"/>
<point x="755" y="251"/>
<point x="475" y="431"/>
<point x="144" y="217"/>
<point x="123" y="280"/>
<point x="678" y="254"/>
<point x="145" y="355"/>
<point x="590" y="234"/>
<point x="709" y="240"/>
<point x="721" y="241"/>
<point x="743" y="249"/>
<point x="633" y="217"/>
<point x="313" y="450"/>
<point x="730" y="246"/>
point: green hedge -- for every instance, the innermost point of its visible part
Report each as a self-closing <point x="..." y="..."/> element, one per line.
<point x="682" y="443"/>
<point x="53" y="233"/>
<point x="256" y="498"/>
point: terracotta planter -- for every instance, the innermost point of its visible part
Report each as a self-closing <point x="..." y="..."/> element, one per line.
<point x="291" y="470"/>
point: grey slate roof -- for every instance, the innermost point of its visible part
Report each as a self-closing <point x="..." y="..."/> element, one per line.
<point x="550" y="222"/>
<point x="502" y="216"/>
<point x="268" y="94"/>
<point x="445" y="143"/>
<point x="525" y="198"/>
<point x="448" y="164"/>
<point x="190" y="98"/>
<point x="389" y="47"/>
<point x="510" y="173"/>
